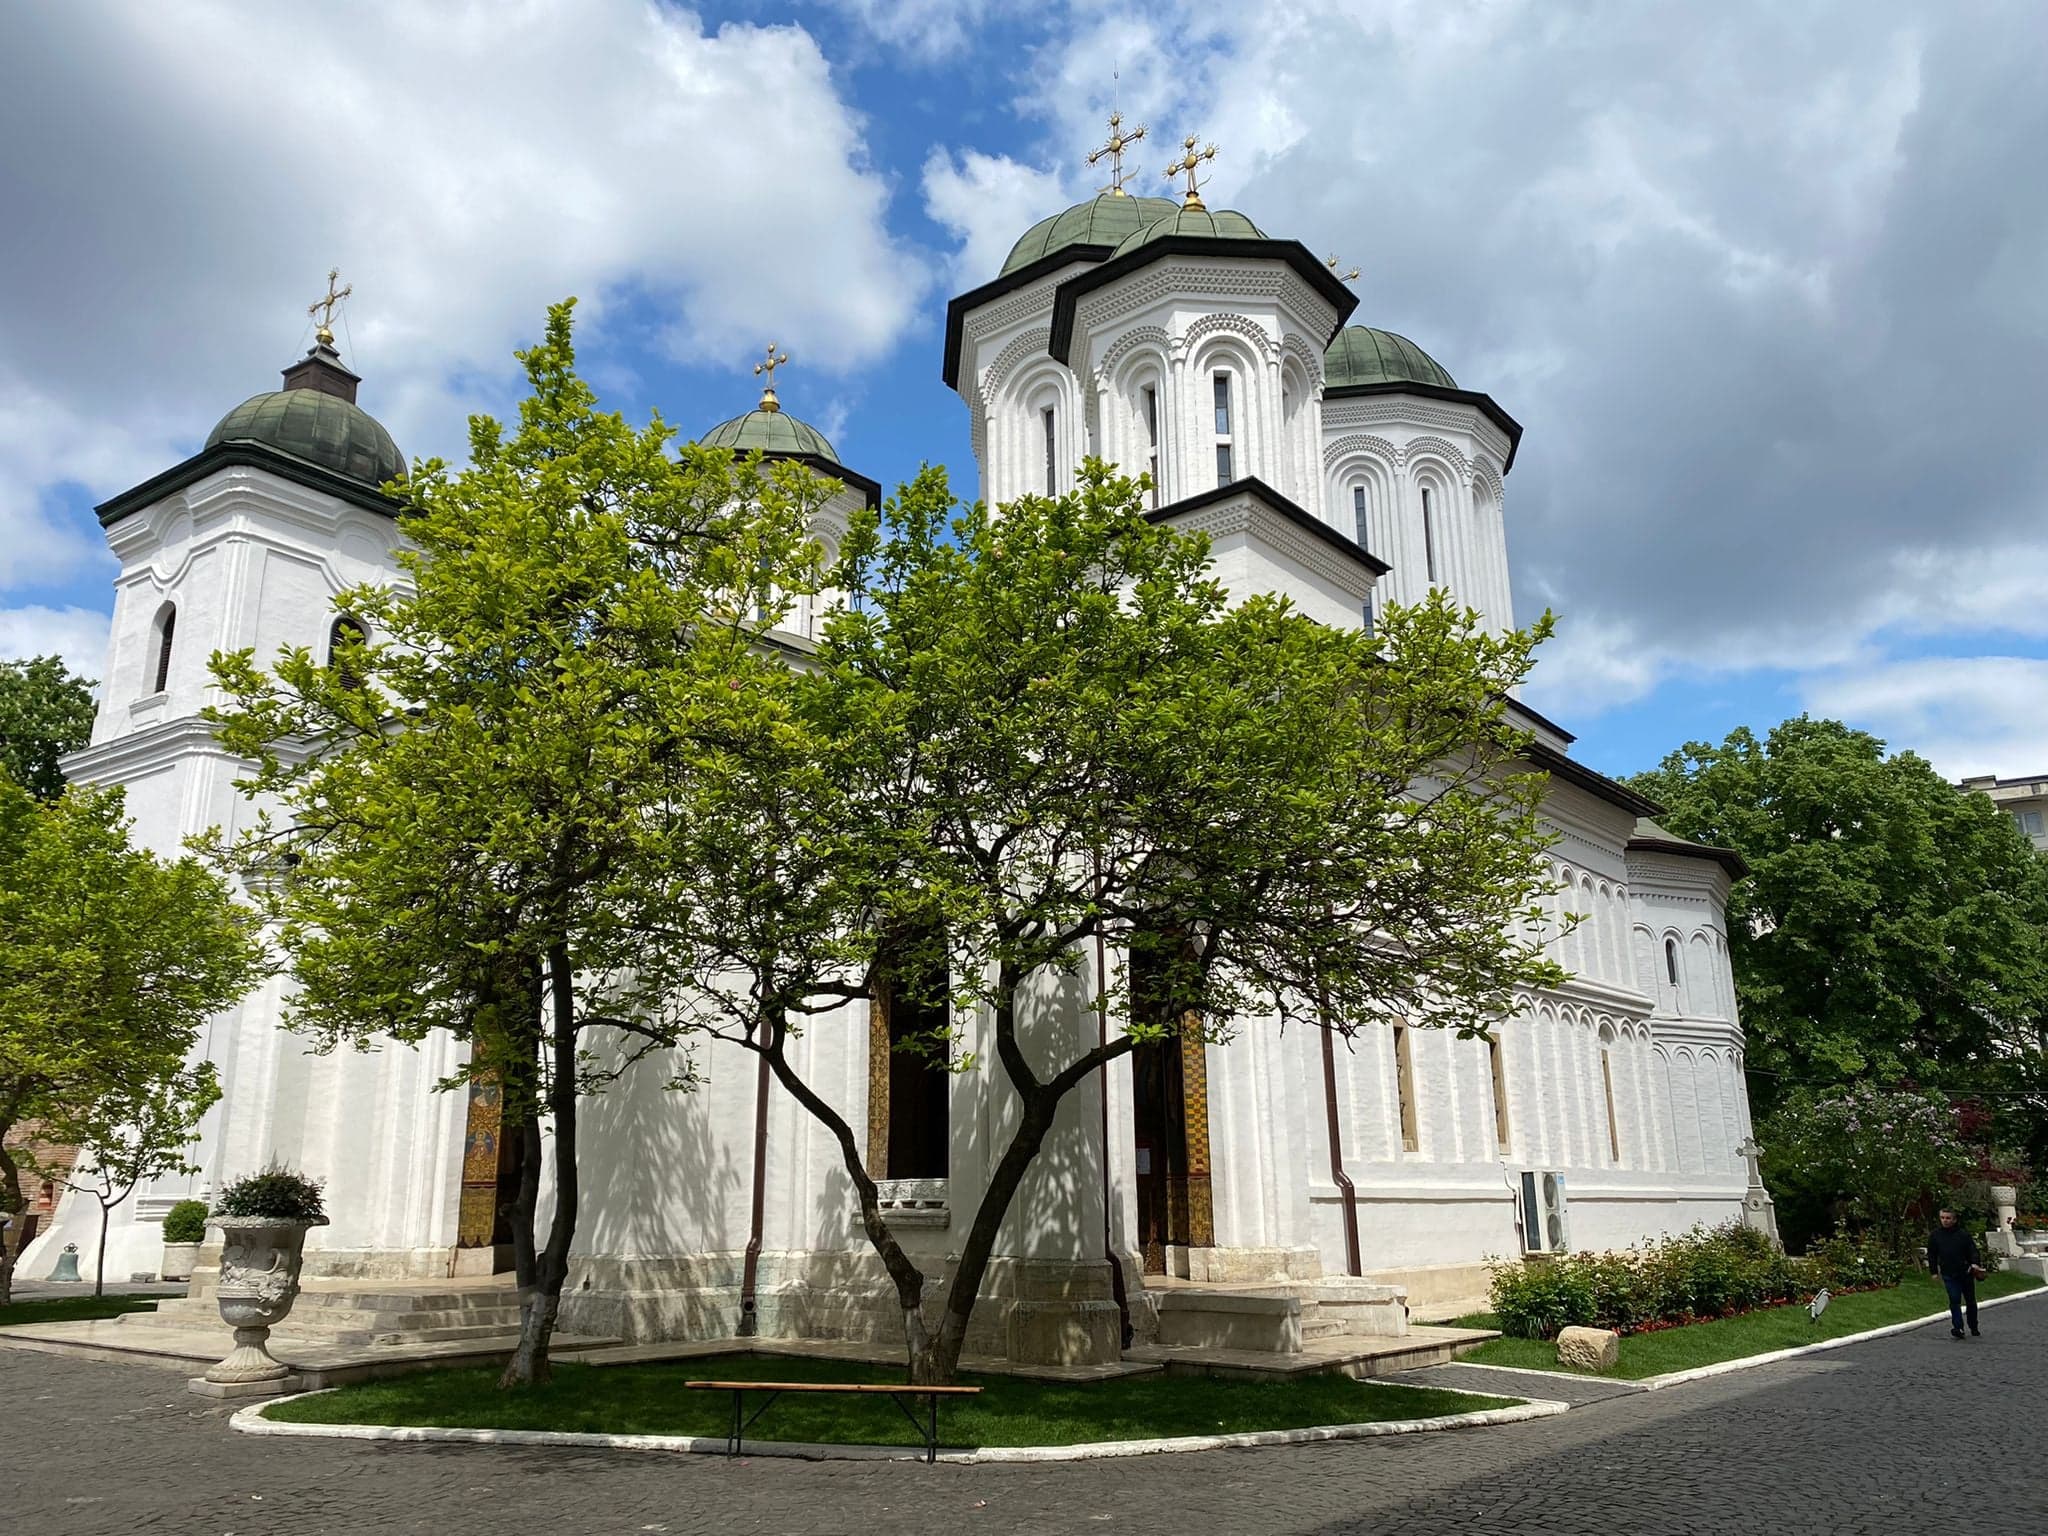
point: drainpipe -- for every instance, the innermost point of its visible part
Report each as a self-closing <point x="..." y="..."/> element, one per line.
<point x="1116" y="1269"/>
<point x="750" y="1322"/>
<point x="1337" y="1173"/>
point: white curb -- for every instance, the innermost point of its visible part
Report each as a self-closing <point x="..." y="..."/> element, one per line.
<point x="250" y="1421"/>
<point x="1723" y="1367"/>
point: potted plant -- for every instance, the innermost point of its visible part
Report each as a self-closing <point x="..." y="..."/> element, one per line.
<point x="184" y="1231"/>
<point x="263" y="1220"/>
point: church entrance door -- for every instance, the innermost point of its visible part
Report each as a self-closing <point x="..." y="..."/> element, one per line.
<point x="1170" y="1114"/>
<point x="490" y="1179"/>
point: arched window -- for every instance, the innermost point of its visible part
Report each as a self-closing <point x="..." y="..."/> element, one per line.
<point x="1224" y="437"/>
<point x="1052" y="479"/>
<point x="166" y="633"/>
<point x="346" y="630"/>
<point x="1360" y="506"/>
<point x="1152" y="439"/>
<point x="1671" y="960"/>
<point x="1428" y="536"/>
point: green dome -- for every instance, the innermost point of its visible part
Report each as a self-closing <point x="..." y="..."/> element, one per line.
<point x="318" y="427"/>
<point x="1104" y="220"/>
<point x="1363" y="355"/>
<point x="771" y="432"/>
<point x="1226" y="224"/>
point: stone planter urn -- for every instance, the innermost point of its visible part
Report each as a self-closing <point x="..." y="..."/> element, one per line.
<point x="259" y="1281"/>
<point x="2005" y="1201"/>
<point x="179" y="1260"/>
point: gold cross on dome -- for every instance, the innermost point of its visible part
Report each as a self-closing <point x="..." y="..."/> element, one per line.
<point x="767" y="366"/>
<point x="1190" y="162"/>
<point x="1330" y="261"/>
<point x="326" y="306"/>
<point x="1119" y="141"/>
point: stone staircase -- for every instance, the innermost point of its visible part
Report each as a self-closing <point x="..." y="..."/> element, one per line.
<point x="366" y="1314"/>
<point x="2032" y="1257"/>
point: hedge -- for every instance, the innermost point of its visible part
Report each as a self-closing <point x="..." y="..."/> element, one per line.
<point x="1699" y="1274"/>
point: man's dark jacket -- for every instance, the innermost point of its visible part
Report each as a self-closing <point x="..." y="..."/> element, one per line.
<point x="1950" y="1252"/>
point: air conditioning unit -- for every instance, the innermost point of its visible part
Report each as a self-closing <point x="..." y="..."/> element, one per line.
<point x="1545" y="1224"/>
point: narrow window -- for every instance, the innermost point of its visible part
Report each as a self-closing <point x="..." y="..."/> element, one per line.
<point x="1224" y="469"/>
<point x="166" y="632"/>
<point x="1358" y="516"/>
<point x="1366" y="613"/>
<point x="345" y="631"/>
<point x="1428" y="535"/>
<point x="1607" y="1082"/>
<point x="1671" y="960"/>
<point x="910" y="1088"/>
<point x="1051" y="477"/>
<point x="1404" y="1088"/>
<point x="1500" y="1092"/>
<point x="1152" y="439"/>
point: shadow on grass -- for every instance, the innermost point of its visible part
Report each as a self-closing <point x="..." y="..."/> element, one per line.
<point x="652" y="1400"/>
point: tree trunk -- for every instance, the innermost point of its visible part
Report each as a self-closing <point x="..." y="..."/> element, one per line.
<point x="12" y="1201"/>
<point x="541" y="1305"/>
<point x="907" y="1277"/>
<point x="99" y="1268"/>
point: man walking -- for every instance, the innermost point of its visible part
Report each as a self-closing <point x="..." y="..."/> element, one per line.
<point x="1952" y="1254"/>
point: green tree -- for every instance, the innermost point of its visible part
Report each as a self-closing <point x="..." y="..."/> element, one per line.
<point x="1872" y="1156"/>
<point x="1027" y="735"/>
<point x="110" y="960"/>
<point x="129" y="1135"/>
<point x="1892" y="929"/>
<point x="45" y="712"/>
<point x="465" y="790"/>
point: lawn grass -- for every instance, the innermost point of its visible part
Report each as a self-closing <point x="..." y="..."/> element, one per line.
<point x="73" y="1309"/>
<point x="1753" y="1333"/>
<point x="651" y="1400"/>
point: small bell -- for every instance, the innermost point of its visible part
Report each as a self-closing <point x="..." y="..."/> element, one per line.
<point x="67" y="1263"/>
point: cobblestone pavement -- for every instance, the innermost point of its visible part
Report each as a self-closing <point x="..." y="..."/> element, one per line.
<point x="1914" y="1432"/>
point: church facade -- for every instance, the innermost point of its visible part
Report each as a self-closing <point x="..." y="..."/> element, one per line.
<point x="1334" y="462"/>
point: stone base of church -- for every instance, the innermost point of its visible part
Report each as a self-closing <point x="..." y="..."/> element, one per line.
<point x="1037" y="1312"/>
<point x="1243" y="1266"/>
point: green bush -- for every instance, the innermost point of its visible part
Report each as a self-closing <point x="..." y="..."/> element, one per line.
<point x="1697" y="1274"/>
<point x="185" y="1222"/>
<point x="1857" y="1261"/>
<point x="279" y="1193"/>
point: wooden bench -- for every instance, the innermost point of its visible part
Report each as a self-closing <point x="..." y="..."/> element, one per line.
<point x="927" y="1432"/>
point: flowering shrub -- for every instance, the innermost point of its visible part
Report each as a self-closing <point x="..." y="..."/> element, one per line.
<point x="1697" y="1275"/>
<point x="1878" y="1158"/>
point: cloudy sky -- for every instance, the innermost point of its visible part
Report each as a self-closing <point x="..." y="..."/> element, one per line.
<point x="1767" y="285"/>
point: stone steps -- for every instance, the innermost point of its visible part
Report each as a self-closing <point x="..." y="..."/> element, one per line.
<point x="349" y="1314"/>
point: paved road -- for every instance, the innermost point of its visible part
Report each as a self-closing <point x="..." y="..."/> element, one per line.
<point x="1907" y="1434"/>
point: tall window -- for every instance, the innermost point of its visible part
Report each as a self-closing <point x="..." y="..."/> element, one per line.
<point x="1051" y="444"/>
<point x="345" y="631"/>
<point x="1607" y="1083"/>
<point x="166" y="632"/>
<point x="910" y="1088"/>
<point x="1358" y="511"/>
<point x="1404" y="1088"/>
<point x="1671" y="960"/>
<point x="1152" y="439"/>
<point x="1224" y="473"/>
<point x="1500" y="1092"/>
<point x="1428" y="535"/>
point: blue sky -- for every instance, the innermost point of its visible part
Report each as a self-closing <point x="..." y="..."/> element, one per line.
<point x="1762" y="283"/>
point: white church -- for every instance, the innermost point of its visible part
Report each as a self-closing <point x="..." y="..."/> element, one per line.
<point x="1210" y="1193"/>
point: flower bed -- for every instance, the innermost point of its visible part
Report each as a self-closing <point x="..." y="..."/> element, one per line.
<point x="1699" y="1275"/>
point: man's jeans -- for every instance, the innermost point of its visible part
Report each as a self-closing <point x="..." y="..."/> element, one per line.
<point x="1961" y="1289"/>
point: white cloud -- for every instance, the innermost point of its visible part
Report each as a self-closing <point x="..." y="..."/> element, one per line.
<point x="987" y="201"/>
<point x="177" y="180"/>
<point x="1966" y="715"/>
<point x="930" y="30"/>
<point x="77" y="634"/>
